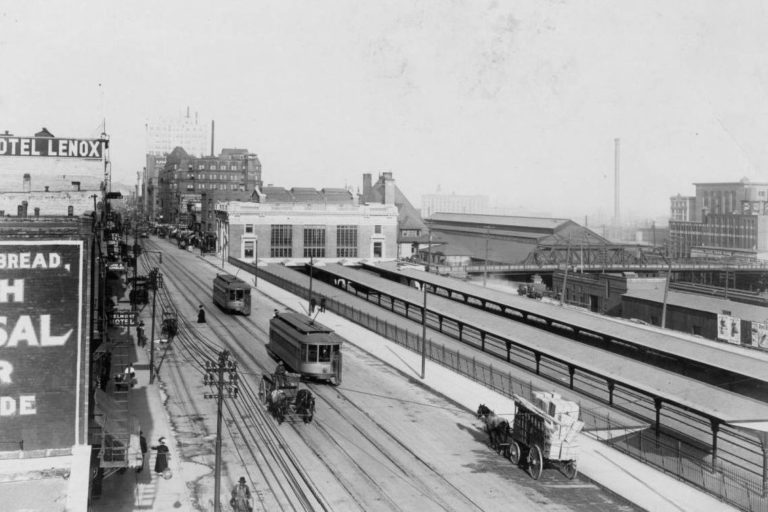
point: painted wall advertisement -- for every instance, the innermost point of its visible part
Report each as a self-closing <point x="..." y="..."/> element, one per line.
<point x="729" y="329"/>
<point x="41" y="340"/>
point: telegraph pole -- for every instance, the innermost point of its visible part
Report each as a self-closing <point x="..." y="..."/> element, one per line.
<point x="485" y="269"/>
<point x="223" y="375"/>
<point x="157" y="282"/>
<point x="424" y="331"/>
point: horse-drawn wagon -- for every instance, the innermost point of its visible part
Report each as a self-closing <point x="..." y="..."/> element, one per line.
<point x="545" y="432"/>
<point x="286" y="397"/>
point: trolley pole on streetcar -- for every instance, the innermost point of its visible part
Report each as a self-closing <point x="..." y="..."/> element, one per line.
<point x="221" y="374"/>
<point x="424" y="332"/>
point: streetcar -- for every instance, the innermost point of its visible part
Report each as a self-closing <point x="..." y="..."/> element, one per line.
<point x="305" y="346"/>
<point x="232" y="294"/>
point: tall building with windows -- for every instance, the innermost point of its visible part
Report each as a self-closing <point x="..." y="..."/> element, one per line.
<point x="727" y="219"/>
<point x="453" y="203"/>
<point x="185" y="178"/>
<point x="682" y="208"/>
<point x="302" y="223"/>
<point x="165" y="134"/>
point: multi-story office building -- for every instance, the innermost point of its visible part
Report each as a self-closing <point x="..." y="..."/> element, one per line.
<point x="163" y="135"/>
<point x="452" y="203"/>
<point x="150" y="196"/>
<point x="728" y="219"/>
<point x="185" y="178"/>
<point x="682" y="208"/>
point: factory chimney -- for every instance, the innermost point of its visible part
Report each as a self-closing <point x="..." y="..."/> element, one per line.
<point x="213" y="127"/>
<point x="616" y="189"/>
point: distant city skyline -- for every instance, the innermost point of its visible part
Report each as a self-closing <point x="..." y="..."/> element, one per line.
<point x="518" y="102"/>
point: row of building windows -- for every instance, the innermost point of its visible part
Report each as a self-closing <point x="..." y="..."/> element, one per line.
<point x="215" y="186"/>
<point x="219" y="177"/>
<point x="220" y="167"/>
<point x="281" y="241"/>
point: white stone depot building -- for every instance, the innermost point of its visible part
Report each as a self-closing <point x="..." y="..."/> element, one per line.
<point x="292" y="226"/>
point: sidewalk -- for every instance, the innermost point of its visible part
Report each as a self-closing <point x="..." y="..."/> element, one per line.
<point x="147" y="490"/>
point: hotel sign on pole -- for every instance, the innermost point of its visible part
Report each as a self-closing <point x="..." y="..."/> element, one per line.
<point x="41" y="342"/>
<point x="52" y="147"/>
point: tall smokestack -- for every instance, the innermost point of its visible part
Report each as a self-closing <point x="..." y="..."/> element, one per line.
<point x="213" y="128"/>
<point x="616" y="195"/>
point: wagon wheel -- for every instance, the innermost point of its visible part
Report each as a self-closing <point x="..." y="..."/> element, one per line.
<point x="570" y="469"/>
<point x="263" y="390"/>
<point x="535" y="462"/>
<point x="514" y="453"/>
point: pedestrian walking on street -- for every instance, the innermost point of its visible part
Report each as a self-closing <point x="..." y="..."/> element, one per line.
<point x="201" y="315"/>
<point x="143" y="444"/>
<point x="130" y="375"/>
<point x="241" y="500"/>
<point x="161" y="462"/>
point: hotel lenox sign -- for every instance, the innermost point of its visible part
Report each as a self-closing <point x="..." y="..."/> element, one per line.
<point x="52" y="147"/>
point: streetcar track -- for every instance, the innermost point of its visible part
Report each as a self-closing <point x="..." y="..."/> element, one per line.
<point x="423" y="487"/>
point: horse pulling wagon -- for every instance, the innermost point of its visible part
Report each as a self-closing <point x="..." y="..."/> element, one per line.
<point x="285" y="397"/>
<point x="546" y="433"/>
<point x="542" y="433"/>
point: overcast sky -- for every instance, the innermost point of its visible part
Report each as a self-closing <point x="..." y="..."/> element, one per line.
<point x="520" y="101"/>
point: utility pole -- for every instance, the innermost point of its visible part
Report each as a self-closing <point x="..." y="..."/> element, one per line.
<point x="565" y="277"/>
<point x="485" y="270"/>
<point x="429" y="248"/>
<point x="157" y="282"/>
<point x="424" y="332"/>
<point x="223" y="375"/>
<point x="666" y="293"/>
<point x="310" y="307"/>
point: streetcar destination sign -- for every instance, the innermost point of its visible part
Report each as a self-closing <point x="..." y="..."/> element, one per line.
<point x="52" y="147"/>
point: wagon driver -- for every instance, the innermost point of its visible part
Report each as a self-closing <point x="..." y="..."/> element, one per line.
<point x="280" y="375"/>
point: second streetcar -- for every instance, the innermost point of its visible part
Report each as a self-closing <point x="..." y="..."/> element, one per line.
<point x="232" y="294"/>
<point x="305" y="346"/>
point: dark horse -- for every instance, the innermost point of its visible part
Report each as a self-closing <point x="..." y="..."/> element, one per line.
<point x="305" y="404"/>
<point x="277" y="404"/>
<point x="496" y="426"/>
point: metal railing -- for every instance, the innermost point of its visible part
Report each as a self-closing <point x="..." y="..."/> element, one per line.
<point x="738" y="487"/>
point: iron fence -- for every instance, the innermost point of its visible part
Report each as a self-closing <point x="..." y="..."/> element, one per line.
<point x="733" y="485"/>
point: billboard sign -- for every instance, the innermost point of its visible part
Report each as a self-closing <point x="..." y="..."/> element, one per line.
<point x="41" y="342"/>
<point x="52" y="147"/>
<point x="729" y="329"/>
<point x="760" y="334"/>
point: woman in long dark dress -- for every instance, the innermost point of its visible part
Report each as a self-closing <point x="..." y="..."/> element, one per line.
<point x="161" y="462"/>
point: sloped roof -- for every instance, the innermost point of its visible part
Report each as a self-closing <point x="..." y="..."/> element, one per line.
<point x="306" y="195"/>
<point x="408" y="217"/>
<point x="177" y="154"/>
<point x="501" y="220"/>
<point x="276" y="195"/>
<point x="337" y="195"/>
<point x="699" y="302"/>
